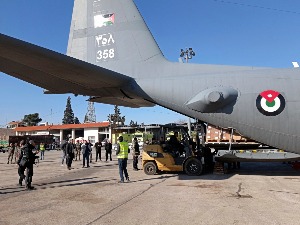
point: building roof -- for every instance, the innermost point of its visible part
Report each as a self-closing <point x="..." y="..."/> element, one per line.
<point x="62" y="127"/>
<point x="13" y="122"/>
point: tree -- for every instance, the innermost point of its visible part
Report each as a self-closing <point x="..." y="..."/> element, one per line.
<point x="116" y="119"/>
<point x="132" y="123"/>
<point x="32" y="119"/>
<point x="76" y="120"/>
<point x="68" y="114"/>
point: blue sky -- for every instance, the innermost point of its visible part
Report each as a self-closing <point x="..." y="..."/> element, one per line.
<point x="238" y="32"/>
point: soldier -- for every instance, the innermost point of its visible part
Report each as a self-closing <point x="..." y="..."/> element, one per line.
<point x="78" y="150"/>
<point x="17" y="152"/>
<point x="21" y="168"/>
<point x="11" y="151"/>
<point x="27" y="159"/>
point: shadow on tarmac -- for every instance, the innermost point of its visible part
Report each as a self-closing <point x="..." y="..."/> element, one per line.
<point x="105" y="165"/>
<point x="248" y="168"/>
<point x="154" y="177"/>
<point x="54" y="184"/>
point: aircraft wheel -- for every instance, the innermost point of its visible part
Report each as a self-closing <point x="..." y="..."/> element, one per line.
<point x="150" y="168"/>
<point x="193" y="167"/>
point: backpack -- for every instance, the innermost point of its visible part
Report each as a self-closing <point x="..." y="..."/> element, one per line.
<point x="24" y="159"/>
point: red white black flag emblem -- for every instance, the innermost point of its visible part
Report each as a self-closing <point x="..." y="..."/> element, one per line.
<point x="270" y="103"/>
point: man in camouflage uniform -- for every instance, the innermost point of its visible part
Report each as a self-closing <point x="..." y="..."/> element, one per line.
<point x="78" y="150"/>
<point x="11" y="152"/>
<point x="17" y="152"/>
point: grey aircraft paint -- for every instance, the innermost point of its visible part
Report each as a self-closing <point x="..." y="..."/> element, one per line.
<point x="261" y="103"/>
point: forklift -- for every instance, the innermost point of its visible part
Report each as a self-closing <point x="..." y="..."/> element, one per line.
<point x="173" y="155"/>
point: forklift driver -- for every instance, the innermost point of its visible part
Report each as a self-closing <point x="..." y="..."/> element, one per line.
<point x="174" y="145"/>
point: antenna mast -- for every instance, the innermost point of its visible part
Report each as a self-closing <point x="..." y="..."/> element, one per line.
<point x="90" y="116"/>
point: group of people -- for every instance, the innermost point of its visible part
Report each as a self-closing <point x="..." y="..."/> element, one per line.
<point x="13" y="152"/>
<point x="72" y="150"/>
<point x="25" y="156"/>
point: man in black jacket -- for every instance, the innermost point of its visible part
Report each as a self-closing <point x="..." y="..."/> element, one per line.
<point x="135" y="153"/>
<point x="98" y="146"/>
<point x="21" y="169"/>
<point x="69" y="153"/>
<point x="86" y="150"/>
<point x="108" y="148"/>
<point x="26" y="161"/>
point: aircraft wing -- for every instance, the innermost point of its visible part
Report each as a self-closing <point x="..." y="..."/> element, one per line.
<point x="61" y="74"/>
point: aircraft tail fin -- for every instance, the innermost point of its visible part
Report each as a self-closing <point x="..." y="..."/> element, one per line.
<point x="109" y="32"/>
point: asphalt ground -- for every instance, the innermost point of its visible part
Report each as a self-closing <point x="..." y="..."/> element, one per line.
<point x="258" y="193"/>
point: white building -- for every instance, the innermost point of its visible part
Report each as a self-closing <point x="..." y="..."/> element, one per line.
<point x="89" y="131"/>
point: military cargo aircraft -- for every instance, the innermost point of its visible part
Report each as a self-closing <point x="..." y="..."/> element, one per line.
<point x="261" y="103"/>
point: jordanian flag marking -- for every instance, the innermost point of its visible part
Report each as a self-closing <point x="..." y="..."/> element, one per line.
<point x="104" y="20"/>
<point x="270" y="103"/>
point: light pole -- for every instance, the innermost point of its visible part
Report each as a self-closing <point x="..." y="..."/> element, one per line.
<point x="187" y="54"/>
<point x="110" y="129"/>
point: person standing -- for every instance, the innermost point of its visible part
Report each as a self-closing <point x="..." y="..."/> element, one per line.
<point x="98" y="146"/>
<point x="28" y="157"/>
<point x="78" y="150"/>
<point x="108" y="148"/>
<point x="162" y="141"/>
<point x="86" y="150"/>
<point x="21" y="168"/>
<point x="42" y="149"/>
<point x="91" y="149"/>
<point x="63" y="148"/>
<point x="17" y="152"/>
<point x="69" y="153"/>
<point x="135" y="153"/>
<point x="11" y="152"/>
<point x="122" y="154"/>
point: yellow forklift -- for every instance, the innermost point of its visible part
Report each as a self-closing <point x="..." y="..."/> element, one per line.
<point x="172" y="155"/>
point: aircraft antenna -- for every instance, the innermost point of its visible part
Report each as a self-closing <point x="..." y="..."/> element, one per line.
<point x="90" y="116"/>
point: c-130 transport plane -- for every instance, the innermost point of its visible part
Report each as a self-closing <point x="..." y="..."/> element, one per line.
<point x="261" y="103"/>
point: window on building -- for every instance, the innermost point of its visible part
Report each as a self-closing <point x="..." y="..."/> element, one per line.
<point x="102" y="129"/>
<point x="92" y="139"/>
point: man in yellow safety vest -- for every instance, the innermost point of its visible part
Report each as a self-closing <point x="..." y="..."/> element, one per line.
<point x="42" y="150"/>
<point x="122" y="154"/>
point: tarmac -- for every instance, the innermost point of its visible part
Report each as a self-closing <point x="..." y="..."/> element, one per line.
<point x="258" y="193"/>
